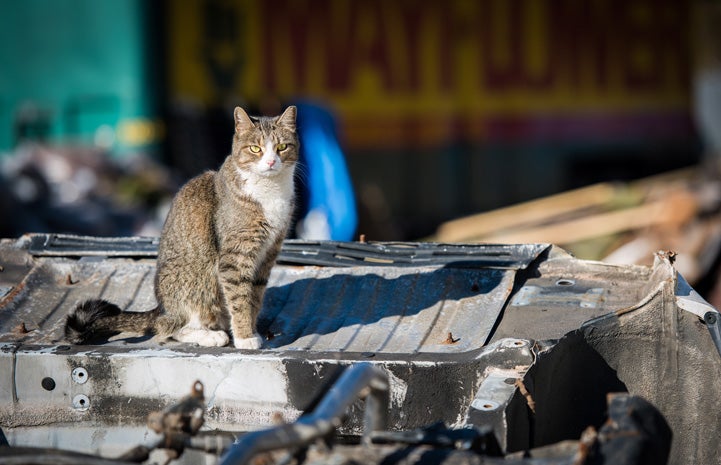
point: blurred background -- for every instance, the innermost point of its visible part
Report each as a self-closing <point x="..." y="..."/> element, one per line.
<point x="449" y="120"/>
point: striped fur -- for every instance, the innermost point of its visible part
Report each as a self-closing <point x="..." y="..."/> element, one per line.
<point x="218" y="245"/>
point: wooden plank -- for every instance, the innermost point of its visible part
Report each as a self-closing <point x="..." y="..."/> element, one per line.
<point x="672" y="211"/>
<point x="482" y="224"/>
<point x="522" y="216"/>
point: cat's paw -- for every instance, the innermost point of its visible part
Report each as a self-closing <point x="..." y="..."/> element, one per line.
<point x="249" y="342"/>
<point x="203" y="337"/>
<point x="215" y="339"/>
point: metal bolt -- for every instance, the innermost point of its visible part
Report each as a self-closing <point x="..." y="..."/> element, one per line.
<point x="80" y="375"/>
<point x="710" y="318"/>
<point x="81" y="402"/>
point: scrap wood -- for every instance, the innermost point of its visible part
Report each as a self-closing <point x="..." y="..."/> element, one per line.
<point x="482" y="224"/>
<point x="673" y="211"/>
<point x="617" y="223"/>
<point x="698" y="245"/>
<point x="589" y="212"/>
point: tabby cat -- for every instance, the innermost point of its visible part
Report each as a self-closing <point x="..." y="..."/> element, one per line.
<point x="219" y="242"/>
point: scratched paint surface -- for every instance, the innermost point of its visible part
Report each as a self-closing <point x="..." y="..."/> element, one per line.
<point x="359" y="309"/>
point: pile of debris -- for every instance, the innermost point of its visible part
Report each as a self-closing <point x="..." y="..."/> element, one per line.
<point x="622" y="223"/>
<point x="82" y="190"/>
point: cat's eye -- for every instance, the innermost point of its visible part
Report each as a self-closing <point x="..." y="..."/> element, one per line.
<point x="254" y="149"/>
<point x="281" y="147"/>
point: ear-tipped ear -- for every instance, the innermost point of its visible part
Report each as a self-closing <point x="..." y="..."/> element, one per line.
<point x="287" y="119"/>
<point x="242" y="120"/>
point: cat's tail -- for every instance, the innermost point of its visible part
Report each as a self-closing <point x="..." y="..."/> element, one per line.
<point x="94" y="319"/>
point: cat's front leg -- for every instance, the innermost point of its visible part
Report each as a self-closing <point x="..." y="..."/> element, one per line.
<point x="236" y="276"/>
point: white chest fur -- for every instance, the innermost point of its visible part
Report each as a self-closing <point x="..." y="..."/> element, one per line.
<point x="273" y="193"/>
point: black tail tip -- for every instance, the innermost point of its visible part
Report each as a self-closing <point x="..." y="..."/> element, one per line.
<point x="79" y="324"/>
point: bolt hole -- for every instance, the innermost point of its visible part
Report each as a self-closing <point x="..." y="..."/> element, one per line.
<point x="81" y="402"/>
<point x="565" y="282"/>
<point x="80" y="375"/>
<point x="488" y="406"/>
<point x="518" y="343"/>
<point x="48" y="383"/>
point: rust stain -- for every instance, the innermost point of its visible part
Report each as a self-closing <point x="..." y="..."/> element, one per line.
<point x="588" y="439"/>
<point x="669" y="255"/>
<point x="524" y="392"/>
<point x="12" y="294"/>
<point x="21" y="329"/>
<point x="277" y="418"/>
<point x="450" y="339"/>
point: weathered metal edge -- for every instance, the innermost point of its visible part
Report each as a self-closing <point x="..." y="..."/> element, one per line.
<point x="301" y="252"/>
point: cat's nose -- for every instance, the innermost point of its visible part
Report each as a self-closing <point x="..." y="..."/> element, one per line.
<point x="271" y="163"/>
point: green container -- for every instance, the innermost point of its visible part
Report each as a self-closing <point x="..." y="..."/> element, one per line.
<point x="79" y="72"/>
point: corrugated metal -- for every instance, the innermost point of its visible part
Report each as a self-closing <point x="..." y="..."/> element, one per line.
<point x="360" y="309"/>
<point x="570" y="330"/>
<point x="389" y="301"/>
<point x="389" y="309"/>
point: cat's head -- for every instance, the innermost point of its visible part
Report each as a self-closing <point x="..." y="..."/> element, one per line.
<point x="264" y="145"/>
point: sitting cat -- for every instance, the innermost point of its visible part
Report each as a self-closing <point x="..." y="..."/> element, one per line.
<point x="219" y="242"/>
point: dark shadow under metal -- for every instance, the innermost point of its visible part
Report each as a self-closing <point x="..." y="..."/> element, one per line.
<point x="362" y="380"/>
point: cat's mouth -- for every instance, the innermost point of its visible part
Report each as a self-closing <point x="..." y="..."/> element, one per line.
<point x="269" y="170"/>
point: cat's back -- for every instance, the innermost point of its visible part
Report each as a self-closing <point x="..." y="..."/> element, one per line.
<point x="197" y="193"/>
<point x="190" y="217"/>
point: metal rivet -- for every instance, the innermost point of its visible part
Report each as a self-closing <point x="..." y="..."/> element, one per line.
<point x="484" y="404"/>
<point x="48" y="383"/>
<point x="81" y="402"/>
<point x="80" y="375"/>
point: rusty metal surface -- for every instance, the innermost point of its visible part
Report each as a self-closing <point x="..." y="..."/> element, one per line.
<point x="449" y="308"/>
<point x="391" y="309"/>
<point x="396" y="310"/>
<point x="525" y="347"/>
<point x="380" y="310"/>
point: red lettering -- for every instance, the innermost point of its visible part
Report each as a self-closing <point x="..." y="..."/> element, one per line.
<point x="581" y="46"/>
<point x="506" y="58"/>
<point x="294" y="21"/>
<point x="411" y="15"/>
<point x="363" y="42"/>
<point x="642" y="41"/>
<point x="653" y="34"/>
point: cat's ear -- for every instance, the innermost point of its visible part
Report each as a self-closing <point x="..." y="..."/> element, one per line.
<point x="242" y="120"/>
<point x="287" y="119"/>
